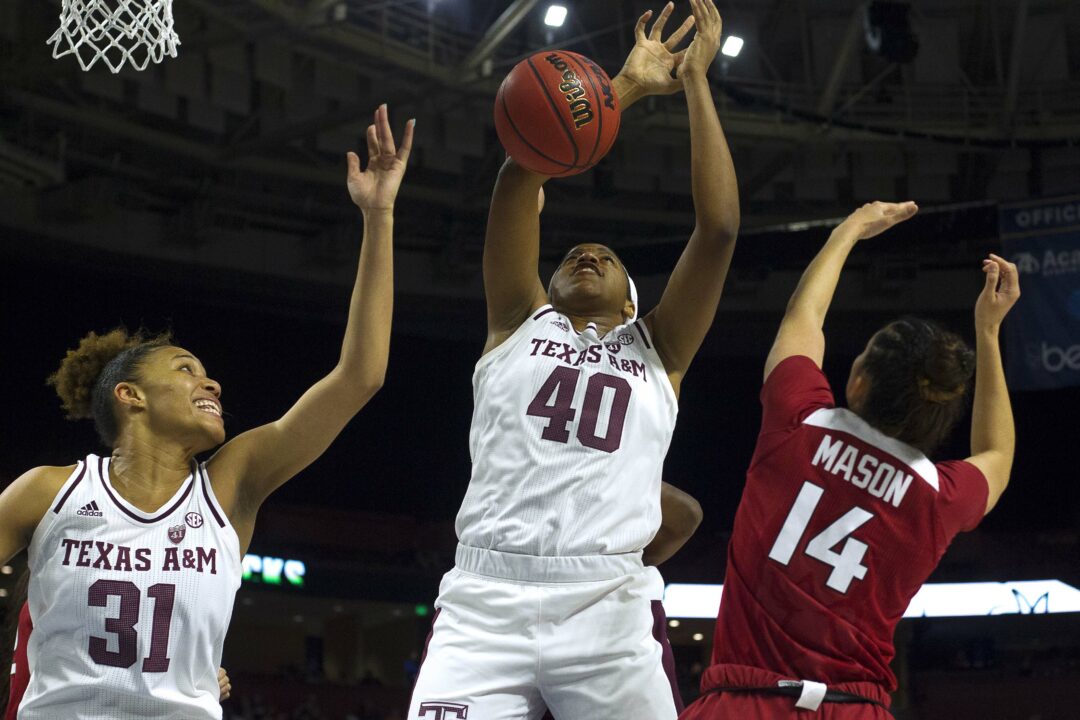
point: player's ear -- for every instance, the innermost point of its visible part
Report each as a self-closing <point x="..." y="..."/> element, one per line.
<point x="129" y="395"/>
<point x="857" y="388"/>
<point x="628" y="310"/>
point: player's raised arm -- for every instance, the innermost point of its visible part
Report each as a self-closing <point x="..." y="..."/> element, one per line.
<point x="686" y="310"/>
<point x="680" y="515"/>
<point x="255" y="463"/>
<point x="800" y="330"/>
<point x="512" y="252"/>
<point x="993" y="435"/>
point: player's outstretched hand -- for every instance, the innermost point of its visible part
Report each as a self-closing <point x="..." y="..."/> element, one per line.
<point x="706" y="43"/>
<point x="377" y="186"/>
<point x="875" y="218"/>
<point x="999" y="294"/>
<point x="652" y="59"/>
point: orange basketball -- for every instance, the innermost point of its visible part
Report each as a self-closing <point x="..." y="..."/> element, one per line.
<point x="556" y="113"/>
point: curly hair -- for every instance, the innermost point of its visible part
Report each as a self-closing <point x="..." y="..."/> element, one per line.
<point x="919" y="378"/>
<point x="87" y="375"/>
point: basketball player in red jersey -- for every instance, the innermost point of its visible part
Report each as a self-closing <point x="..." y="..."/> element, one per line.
<point x="844" y="516"/>
<point x="135" y="558"/>
<point x="549" y="603"/>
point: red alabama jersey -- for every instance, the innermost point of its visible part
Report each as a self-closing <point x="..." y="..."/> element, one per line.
<point x="838" y="527"/>
<point x="20" y="669"/>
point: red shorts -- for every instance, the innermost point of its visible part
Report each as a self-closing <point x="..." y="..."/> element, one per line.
<point x="753" y="706"/>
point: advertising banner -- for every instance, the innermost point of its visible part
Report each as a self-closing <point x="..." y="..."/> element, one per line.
<point x="1043" y="331"/>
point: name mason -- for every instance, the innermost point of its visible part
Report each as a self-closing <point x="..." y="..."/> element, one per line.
<point x="863" y="470"/>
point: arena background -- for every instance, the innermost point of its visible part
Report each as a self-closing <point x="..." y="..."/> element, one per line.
<point x="206" y="194"/>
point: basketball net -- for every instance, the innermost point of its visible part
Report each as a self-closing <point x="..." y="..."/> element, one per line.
<point x="136" y="32"/>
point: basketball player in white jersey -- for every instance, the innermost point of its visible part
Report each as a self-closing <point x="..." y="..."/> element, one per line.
<point x="575" y="402"/>
<point x="135" y="556"/>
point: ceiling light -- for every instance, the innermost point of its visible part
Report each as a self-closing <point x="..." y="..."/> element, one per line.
<point x="732" y="46"/>
<point x="673" y="623"/>
<point x="556" y="15"/>
<point x="698" y="637"/>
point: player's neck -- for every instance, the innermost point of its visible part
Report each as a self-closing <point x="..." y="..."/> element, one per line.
<point x="148" y="472"/>
<point x="604" y="322"/>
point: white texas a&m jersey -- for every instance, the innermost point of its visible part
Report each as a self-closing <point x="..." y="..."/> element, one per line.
<point x="568" y="438"/>
<point x="130" y="608"/>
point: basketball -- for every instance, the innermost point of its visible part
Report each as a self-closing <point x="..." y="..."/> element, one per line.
<point x="556" y="113"/>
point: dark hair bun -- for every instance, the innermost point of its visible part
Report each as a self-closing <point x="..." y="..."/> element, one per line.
<point x="946" y="369"/>
<point x="74" y="380"/>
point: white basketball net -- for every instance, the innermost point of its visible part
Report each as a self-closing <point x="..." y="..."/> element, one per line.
<point x="116" y="31"/>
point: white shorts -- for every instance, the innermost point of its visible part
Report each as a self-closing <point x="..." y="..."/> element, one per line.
<point x="506" y="649"/>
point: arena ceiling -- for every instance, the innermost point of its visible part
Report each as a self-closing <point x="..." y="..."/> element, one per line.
<point x="230" y="154"/>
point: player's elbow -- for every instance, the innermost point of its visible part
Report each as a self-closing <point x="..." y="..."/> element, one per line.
<point x="717" y="228"/>
<point x="685" y="514"/>
<point x="372" y="383"/>
<point x="694" y="515"/>
<point x="357" y="388"/>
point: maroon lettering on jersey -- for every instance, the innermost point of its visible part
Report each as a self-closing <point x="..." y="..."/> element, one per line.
<point x="103" y="549"/>
<point x="69" y="545"/>
<point x="207" y="559"/>
<point x="444" y="711"/>
<point x="84" y="553"/>
<point x="123" y="559"/>
<point x="172" y="559"/>
<point x="142" y="559"/>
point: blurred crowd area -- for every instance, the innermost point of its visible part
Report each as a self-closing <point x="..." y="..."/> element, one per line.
<point x="286" y="697"/>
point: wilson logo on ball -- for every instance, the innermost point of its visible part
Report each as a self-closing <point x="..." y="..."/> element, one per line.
<point x="580" y="108"/>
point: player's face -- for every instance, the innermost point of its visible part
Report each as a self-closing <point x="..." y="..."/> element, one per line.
<point x="590" y="279"/>
<point x="180" y="401"/>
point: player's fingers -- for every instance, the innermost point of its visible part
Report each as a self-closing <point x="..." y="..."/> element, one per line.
<point x="710" y="5"/>
<point x="676" y="37"/>
<point x="991" y="270"/>
<point x="386" y="135"/>
<point x="658" y="26"/>
<point x="406" y="141"/>
<point x="1009" y="279"/>
<point x="353" y="161"/>
<point x="639" y="29"/>
<point x="372" y="143"/>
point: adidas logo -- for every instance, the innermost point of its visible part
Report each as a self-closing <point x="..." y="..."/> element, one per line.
<point x="90" y="509"/>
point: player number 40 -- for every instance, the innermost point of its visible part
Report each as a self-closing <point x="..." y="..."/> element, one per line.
<point x="555" y="399"/>
<point x="846" y="564"/>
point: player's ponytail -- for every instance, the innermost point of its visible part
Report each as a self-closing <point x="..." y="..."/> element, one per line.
<point x="919" y="374"/>
<point x="87" y="375"/>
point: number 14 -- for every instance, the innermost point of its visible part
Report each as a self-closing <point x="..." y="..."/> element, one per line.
<point x="847" y="564"/>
